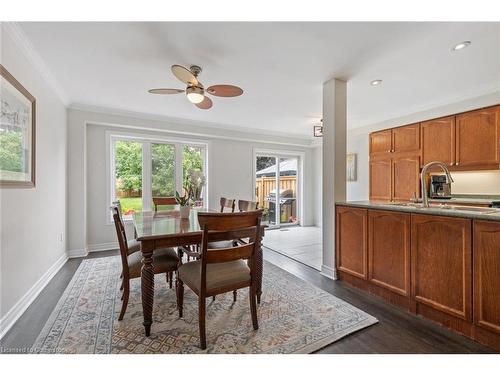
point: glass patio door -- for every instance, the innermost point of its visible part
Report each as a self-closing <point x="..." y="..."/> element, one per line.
<point x="276" y="189"/>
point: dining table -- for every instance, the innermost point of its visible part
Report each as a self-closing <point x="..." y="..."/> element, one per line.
<point x="161" y="229"/>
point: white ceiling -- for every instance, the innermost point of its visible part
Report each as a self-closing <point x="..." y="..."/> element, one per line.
<point x="281" y="67"/>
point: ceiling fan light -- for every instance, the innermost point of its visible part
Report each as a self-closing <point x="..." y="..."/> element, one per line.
<point x="195" y="94"/>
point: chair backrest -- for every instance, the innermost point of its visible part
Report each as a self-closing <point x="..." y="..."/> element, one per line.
<point x="119" y="205"/>
<point x="227" y="203"/>
<point x="247" y="205"/>
<point x="122" y="237"/>
<point x="225" y="227"/>
<point x="163" y="201"/>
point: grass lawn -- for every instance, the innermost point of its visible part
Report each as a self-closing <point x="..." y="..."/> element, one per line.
<point x="131" y="204"/>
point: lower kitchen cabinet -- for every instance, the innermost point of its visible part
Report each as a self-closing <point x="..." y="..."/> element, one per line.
<point x="441" y="250"/>
<point x="487" y="275"/>
<point x="351" y="236"/>
<point x="389" y="250"/>
<point x="446" y="269"/>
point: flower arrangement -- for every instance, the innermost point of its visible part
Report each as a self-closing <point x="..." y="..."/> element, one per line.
<point x="184" y="201"/>
<point x="194" y="185"/>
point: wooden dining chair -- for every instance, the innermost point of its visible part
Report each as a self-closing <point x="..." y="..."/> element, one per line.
<point x="163" y="201"/>
<point x="164" y="260"/>
<point x="244" y="205"/>
<point x="223" y="270"/>
<point x="227" y="203"/>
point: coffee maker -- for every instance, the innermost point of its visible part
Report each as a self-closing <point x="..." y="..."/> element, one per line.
<point x="440" y="188"/>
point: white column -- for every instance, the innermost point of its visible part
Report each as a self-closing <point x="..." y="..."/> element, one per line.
<point x="334" y="164"/>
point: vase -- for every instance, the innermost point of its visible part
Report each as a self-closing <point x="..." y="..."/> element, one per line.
<point x="185" y="212"/>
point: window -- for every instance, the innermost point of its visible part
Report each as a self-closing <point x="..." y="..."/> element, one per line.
<point x="128" y="175"/>
<point x="143" y="168"/>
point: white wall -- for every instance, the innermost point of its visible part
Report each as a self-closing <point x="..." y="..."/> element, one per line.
<point x="466" y="182"/>
<point x="230" y="163"/>
<point x="358" y="144"/>
<point x="33" y="220"/>
<point x="317" y="172"/>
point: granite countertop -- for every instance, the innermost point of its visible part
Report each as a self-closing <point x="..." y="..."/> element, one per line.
<point x="492" y="214"/>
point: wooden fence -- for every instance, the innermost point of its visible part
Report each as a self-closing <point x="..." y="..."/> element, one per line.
<point x="264" y="186"/>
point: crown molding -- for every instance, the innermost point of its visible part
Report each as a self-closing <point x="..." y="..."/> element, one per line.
<point x="204" y="127"/>
<point x="14" y="30"/>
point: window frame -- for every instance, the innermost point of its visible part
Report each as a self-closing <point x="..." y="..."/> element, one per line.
<point x="146" y="141"/>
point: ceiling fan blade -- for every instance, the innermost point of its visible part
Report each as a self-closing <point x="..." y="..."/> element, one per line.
<point x="184" y="75"/>
<point x="225" y="90"/>
<point x="165" y="91"/>
<point x="205" y="104"/>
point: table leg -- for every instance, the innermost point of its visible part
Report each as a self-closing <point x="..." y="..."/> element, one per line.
<point x="147" y="284"/>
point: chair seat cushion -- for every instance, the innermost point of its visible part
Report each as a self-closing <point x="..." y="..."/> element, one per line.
<point x="219" y="275"/>
<point x="164" y="260"/>
<point x="133" y="246"/>
<point x="220" y="244"/>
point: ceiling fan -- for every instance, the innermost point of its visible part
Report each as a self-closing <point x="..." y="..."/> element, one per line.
<point x="195" y="91"/>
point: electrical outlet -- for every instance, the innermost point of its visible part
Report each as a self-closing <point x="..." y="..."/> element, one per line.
<point x="60" y="237"/>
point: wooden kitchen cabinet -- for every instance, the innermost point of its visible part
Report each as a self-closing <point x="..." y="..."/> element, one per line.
<point x="381" y="142"/>
<point x="351" y="241"/>
<point x="406" y="138"/>
<point x="487" y="275"/>
<point x="441" y="267"/>
<point x="381" y="178"/>
<point x="438" y="140"/>
<point x="389" y="250"/>
<point x="405" y="177"/>
<point x="478" y="138"/>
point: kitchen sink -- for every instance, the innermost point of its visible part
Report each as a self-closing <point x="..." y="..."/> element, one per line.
<point x="482" y="210"/>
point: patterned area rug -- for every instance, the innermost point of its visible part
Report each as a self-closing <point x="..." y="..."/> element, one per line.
<point x="294" y="317"/>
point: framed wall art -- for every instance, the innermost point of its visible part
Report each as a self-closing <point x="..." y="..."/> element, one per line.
<point x="17" y="133"/>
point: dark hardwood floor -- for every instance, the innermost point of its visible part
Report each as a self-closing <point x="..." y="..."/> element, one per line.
<point x="396" y="332"/>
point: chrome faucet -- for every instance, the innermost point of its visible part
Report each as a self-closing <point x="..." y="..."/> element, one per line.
<point x="425" y="196"/>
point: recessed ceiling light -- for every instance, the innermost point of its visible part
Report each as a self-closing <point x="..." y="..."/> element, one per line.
<point x="461" y="45"/>
<point x="376" y="82"/>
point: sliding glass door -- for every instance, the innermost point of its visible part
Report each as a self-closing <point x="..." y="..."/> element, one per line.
<point x="277" y="181"/>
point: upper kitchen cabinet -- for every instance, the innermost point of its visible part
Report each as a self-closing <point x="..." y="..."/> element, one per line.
<point x="438" y="140"/>
<point x="406" y="138"/>
<point x="405" y="176"/>
<point x="478" y="138"/>
<point x="381" y="142"/>
<point x="381" y="178"/>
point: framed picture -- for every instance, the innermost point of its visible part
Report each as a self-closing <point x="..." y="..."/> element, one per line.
<point x="351" y="167"/>
<point x="318" y="130"/>
<point x="17" y="133"/>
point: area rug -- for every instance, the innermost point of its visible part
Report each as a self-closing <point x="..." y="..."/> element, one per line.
<point x="294" y="317"/>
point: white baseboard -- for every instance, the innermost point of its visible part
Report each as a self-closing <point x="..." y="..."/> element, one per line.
<point x="20" y="307"/>
<point x="103" y="246"/>
<point x="328" y="272"/>
<point x="78" y="253"/>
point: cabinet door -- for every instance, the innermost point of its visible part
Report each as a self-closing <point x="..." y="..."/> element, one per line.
<point x="351" y="241"/>
<point x="441" y="265"/>
<point x="487" y="275"/>
<point x="381" y="142"/>
<point x="389" y="250"/>
<point x="406" y="138"/>
<point x="380" y="179"/>
<point x="405" y="177"/>
<point x="438" y="140"/>
<point x="478" y="138"/>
